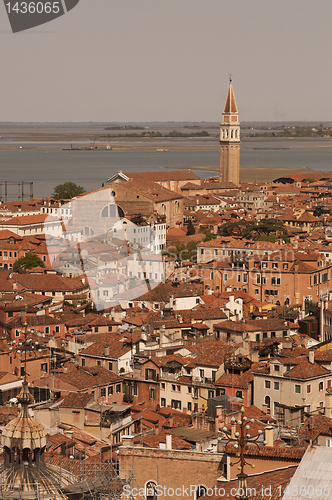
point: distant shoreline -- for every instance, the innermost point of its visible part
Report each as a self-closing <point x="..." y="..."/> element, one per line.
<point x="263" y="174"/>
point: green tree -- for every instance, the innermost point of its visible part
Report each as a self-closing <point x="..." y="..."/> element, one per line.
<point x="29" y="261"/>
<point x="190" y="228"/>
<point x="67" y="191"/>
<point x="209" y="236"/>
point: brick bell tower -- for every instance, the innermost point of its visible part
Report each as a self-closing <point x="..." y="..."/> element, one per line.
<point x="229" y="164"/>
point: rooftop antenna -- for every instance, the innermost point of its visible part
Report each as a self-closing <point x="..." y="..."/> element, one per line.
<point x="230" y="78"/>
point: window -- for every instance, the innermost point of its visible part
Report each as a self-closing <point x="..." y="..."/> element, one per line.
<point x="308" y="389"/>
<point x="150" y="374"/>
<point x="47" y="329"/>
<point x="178" y="388"/>
<point x="118" y="388"/>
<point x="57" y="329"/>
<point x="225" y="277"/>
<point x="273" y="334"/>
<point x="43" y="367"/>
<point x="162" y="402"/>
<point x="239" y="394"/>
<point x="274" y="265"/>
<point x="110" y="365"/>
<point x="321" y="386"/>
<point x="284" y="333"/>
<point x="201" y="373"/>
<point x="258" y="337"/>
<point x="173" y="387"/>
<point x="189" y="406"/>
<point x="110" y="390"/>
<point x="277" y="368"/>
<point x="264" y="335"/>
<point x="258" y="279"/>
<point x="329" y="384"/>
<point x="264" y="265"/>
<point x="245" y="278"/>
<point x="163" y="385"/>
<point x="152" y="393"/>
<point x="297" y="389"/>
<point x="83" y="361"/>
<point x="256" y="291"/>
<point x="239" y="278"/>
<point x="176" y="404"/>
<point x="263" y="280"/>
<point x="267" y="384"/>
<point x="285" y="266"/>
<point x="98" y="362"/>
<point x="103" y="392"/>
<point x="276" y="386"/>
<point x="221" y="391"/>
<point x="96" y="329"/>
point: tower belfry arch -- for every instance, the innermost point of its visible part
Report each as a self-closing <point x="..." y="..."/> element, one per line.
<point x="229" y="163"/>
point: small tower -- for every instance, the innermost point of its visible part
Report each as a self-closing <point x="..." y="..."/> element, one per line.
<point x="229" y="165"/>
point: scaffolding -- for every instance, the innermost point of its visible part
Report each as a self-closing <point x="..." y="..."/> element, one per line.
<point x="8" y="191"/>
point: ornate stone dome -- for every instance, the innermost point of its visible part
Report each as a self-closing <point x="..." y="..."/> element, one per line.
<point x="24" y="438"/>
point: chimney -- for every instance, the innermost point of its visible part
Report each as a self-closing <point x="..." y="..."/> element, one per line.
<point x="106" y="351"/>
<point x="311" y="357"/>
<point x="328" y="405"/>
<point x="3" y="344"/>
<point x="168" y="441"/>
<point x="269" y="435"/>
<point x="127" y="441"/>
<point x="264" y="408"/>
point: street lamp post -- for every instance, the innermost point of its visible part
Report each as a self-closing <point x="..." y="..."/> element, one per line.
<point x="241" y="440"/>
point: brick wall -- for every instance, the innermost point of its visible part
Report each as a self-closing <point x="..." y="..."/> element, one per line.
<point x="170" y="468"/>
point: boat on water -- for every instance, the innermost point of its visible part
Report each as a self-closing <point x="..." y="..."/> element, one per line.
<point x="162" y="150"/>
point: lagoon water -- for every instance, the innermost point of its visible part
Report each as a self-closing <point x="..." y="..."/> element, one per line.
<point x="49" y="165"/>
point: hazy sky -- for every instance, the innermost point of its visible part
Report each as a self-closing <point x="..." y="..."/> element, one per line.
<point x="148" y="60"/>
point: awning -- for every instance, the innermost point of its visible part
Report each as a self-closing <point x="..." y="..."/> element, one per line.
<point x="11" y="385"/>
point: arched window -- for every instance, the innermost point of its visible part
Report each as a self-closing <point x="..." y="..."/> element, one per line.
<point x="267" y="401"/>
<point x="109" y="211"/>
<point x="150" y="489"/>
<point x="163" y="210"/>
<point x="231" y="134"/>
<point x="200" y="491"/>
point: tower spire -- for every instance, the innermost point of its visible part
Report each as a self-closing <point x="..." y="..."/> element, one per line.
<point x="229" y="164"/>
